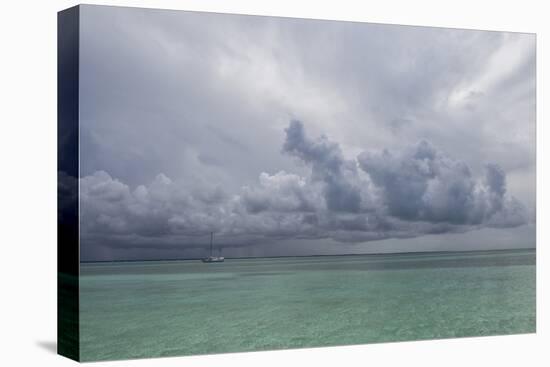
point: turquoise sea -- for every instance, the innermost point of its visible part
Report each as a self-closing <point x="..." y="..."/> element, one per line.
<point x="168" y="308"/>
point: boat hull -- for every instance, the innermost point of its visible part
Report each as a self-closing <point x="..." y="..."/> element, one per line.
<point x="213" y="259"/>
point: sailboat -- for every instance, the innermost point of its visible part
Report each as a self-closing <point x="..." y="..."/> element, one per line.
<point x="212" y="259"/>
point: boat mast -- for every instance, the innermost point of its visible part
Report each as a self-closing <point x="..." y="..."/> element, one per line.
<point x="211" y="239"/>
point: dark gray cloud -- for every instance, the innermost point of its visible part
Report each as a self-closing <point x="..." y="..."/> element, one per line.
<point x="328" y="166"/>
<point x="423" y="184"/>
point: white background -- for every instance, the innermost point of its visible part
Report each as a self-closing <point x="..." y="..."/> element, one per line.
<point x="28" y="183"/>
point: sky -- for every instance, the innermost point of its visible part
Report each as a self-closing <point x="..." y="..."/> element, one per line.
<point x="301" y="137"/>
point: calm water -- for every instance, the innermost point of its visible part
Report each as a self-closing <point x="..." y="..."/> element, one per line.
<point x="148" y="309"/>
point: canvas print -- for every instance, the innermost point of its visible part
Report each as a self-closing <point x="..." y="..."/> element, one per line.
<point x="232" y="183"/>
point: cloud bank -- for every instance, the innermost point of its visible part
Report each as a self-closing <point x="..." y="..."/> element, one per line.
<point x="377" y="195"/>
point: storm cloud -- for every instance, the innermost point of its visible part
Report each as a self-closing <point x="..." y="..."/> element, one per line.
<point x="339" y="176"/>
<point x="424" y="184"/>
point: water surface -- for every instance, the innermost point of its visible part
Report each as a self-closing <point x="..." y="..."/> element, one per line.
<point x="166" y="308"/>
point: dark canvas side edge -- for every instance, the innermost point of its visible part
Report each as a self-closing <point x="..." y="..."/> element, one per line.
<point x="68" y="340"/>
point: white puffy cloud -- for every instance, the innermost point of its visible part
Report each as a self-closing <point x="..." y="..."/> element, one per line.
<point x="281" y="192"/>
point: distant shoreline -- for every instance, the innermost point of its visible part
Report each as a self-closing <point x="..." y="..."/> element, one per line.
<point x="322" y="255"/>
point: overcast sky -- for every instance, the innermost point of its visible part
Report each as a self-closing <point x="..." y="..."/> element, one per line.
<point x="295" y="137"/>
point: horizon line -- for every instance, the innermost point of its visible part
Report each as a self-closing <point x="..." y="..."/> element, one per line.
<point x="317" y="255"/>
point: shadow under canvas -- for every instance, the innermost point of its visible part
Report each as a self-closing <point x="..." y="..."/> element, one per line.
<point x="48" y="345"/>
